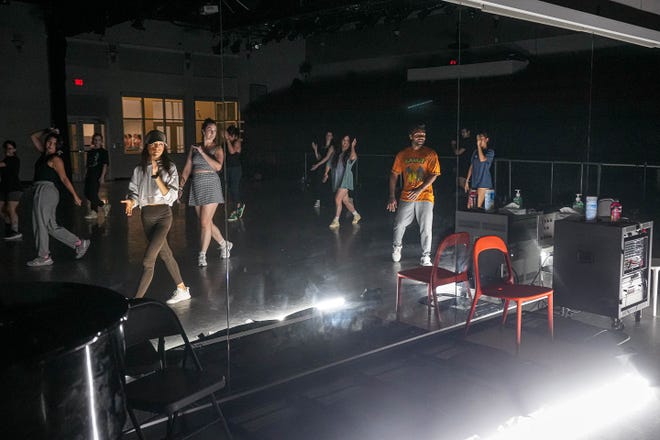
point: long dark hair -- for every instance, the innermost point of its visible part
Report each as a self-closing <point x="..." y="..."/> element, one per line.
<point x="7" y="143"/>
<point x="58" y="147"/>
<point x="338" y="152"/>
<point x="164" y="162"/>
<point x="205" y="124"/>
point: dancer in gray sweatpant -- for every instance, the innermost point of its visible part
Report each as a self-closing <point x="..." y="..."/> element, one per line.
<point x="46" y="199"/>
<point x="48" y="170"/>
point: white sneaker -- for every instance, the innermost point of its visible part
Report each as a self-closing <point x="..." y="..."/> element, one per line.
<point x="425" y="260"/>
<point x="201" y="259"/>
<point x="91" y="215"/>
<point x="13" y="235"/>
<point x="41" y="261"/>
<point x="356" y="219"/>
<point x="225" y="251"/>
<point x="81" y="249"/>
<point x="334" y="224"/>
<point x="317" y="204"/>
<point x="179" y="295"/>
<point x="396" y="253"/>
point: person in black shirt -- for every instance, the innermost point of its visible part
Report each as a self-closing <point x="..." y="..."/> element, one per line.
<point x="49" y="170"/>
<point x="234" y="170"/>
<point x="97" y="167"/>
<point x="10" y="190"/>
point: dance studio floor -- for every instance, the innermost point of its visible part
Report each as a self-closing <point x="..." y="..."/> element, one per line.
<point x="287" y="267"/>
<point x="285" y="259"/>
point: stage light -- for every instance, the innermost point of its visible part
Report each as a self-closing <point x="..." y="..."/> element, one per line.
<point x="330" y="304"/>
<point x="584" y="413"/>
<point x="209" y="9"/>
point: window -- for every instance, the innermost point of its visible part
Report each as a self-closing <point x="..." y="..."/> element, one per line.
<point x="224" y="113"/>
<point x="142" y="115"/>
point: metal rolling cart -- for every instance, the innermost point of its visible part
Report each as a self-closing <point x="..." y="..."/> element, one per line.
<point x="603" y="267"/>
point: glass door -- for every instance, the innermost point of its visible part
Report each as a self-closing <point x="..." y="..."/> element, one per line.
<point x="80" y="133"/>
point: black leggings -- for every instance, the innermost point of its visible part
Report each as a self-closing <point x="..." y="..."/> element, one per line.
<point x="92" y="186"/>
<point x="157" y="221"/>
<point x="317" y="182"/>
<point x="234" y="175"/>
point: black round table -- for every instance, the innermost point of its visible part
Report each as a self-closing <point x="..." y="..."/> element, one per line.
<point x="63" y="350"/>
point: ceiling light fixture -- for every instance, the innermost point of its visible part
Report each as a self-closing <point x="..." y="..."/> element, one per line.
<point x="209" y="9"/>
<point x="559" y="16"/>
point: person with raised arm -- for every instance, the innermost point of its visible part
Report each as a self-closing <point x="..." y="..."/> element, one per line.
<point x="234" y="171"/>
<point x="478" y="175"/>
<point x="154" y="187"/>
<point x="341" y="166"/>
<point x="48" y="171"/>
<point x="322" y="155"/>
<point x="204" y="162"/>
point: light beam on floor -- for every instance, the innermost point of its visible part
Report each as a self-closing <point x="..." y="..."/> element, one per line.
<point x="583" y="413"/>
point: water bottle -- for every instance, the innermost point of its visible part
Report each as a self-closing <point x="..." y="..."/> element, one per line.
<point x="591" y="209"/>
<point x="518" y="200"/>
<point x="489" y="200"/>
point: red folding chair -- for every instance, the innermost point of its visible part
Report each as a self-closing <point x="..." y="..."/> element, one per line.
<point x="435" y="276"/>
<point x="506" y="289"/>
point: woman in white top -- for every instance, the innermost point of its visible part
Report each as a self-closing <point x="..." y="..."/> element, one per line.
<point x="154" y="187"/>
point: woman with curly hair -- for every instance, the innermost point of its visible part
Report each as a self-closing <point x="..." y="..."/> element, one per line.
<point x="48" y="171"/>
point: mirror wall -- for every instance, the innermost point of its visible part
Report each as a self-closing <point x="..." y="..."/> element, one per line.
<point x="565" y="113"/>
<point x="562" y="110"/>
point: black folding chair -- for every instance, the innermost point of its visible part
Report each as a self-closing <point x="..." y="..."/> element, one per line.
<point x="164" y="389"/>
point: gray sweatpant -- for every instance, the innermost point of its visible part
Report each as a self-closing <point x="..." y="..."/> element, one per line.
<point x="406" y="213"/>
<point x="46" y="198"/>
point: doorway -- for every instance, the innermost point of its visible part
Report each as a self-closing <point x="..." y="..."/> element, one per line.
<point x="80" y="134"/>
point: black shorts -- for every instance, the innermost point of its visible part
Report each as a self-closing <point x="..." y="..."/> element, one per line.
<point x="11" y="196"/>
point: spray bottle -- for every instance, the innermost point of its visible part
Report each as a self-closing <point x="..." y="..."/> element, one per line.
<point x="578" y="205"/>
<point x="518" y="200"/>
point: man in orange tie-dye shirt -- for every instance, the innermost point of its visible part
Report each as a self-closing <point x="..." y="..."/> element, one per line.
<point x="419" y="166"/>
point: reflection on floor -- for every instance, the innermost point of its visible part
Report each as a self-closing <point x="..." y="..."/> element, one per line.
<point x="287" y="266"/>
<point x="588" y="383"/>
<point x="285" y="259"/>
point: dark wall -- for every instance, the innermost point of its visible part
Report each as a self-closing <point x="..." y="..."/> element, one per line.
<point x="559" y="108"/>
